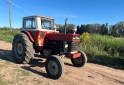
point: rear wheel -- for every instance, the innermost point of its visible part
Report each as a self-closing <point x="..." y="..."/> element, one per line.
<point x="22" y="47"/>
<point x="54" y="67"/>
<point x="80" y="61"/>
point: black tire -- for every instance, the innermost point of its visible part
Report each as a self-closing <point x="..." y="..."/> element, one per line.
<point x="80" y="61"/>
<point x="22" y="48"/>
<point x="54" y="67"/>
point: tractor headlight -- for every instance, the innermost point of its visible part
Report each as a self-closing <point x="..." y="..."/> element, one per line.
<point x="76" y="37"/>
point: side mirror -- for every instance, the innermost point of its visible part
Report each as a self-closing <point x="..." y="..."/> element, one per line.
<point x="56" y="26"/>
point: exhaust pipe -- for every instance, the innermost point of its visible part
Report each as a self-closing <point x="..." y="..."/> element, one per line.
<point x="65" y="25"/>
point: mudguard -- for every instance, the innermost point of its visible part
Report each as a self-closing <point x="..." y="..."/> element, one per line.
<point x="29" y="35"/>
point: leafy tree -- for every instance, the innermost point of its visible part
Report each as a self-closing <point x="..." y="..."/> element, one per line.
<point x="78" y="29"/>
<point x="69" y="28"/>
<point x="120" y="27"/>
<point x="81" y="29"/>
<point x="104" y="30"/>
<point x="88" y="28"/>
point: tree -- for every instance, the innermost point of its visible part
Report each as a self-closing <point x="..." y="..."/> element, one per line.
<point x="113" y="30"/>
<point x="69" y="28"/>
<point x="120" y="27"/>
<point x="88" y="28"/>
<point x="96" y="28"/>
<point x="78" y="29"/>
<point x="82" y="29"/>
<point x="104" y="29"/>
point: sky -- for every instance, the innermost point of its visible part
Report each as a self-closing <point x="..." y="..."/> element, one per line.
<point x="77" y="11"/>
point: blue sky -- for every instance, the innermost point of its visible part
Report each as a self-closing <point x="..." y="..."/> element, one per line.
<point x="78" y="11"/>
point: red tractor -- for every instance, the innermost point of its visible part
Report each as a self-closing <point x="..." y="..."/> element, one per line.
<point x="39" y="34"/>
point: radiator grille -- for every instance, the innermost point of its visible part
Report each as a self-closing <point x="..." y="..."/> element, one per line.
<point x="73" y="46"/>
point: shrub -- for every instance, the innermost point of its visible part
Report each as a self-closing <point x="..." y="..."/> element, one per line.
<point x="85" y="37"/>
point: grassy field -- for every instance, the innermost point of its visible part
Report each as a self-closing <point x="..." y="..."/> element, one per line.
<point x="7" y="35"/>
<point x="105" y="50"/>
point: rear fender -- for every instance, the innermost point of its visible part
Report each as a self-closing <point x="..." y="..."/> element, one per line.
<point x="29" y="35"/>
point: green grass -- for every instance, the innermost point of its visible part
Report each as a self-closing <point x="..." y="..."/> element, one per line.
<point x="24" y="72"/>
<point x="105" y="50"/>
<point x="7" y="35"/>
<point x="1" y="81"/>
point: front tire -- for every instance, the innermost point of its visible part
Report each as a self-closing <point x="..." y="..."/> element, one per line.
<point x="54" y="67"/>
<point x="80" y="61"/>
<point x="22" y="48"/>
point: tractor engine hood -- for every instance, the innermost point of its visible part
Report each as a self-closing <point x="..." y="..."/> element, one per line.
<point x="63" y="37"/>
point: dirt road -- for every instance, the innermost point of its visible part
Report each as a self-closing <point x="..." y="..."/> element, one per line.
<point x="35" y="74"/>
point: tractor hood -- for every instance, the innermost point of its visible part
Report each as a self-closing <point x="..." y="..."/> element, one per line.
<point x="63" y="37"/>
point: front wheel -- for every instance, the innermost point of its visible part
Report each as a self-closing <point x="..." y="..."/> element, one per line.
<point x="54" y="67"/>
<point x="80" y="61"/>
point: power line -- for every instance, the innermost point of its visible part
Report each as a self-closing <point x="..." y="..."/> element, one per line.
<point x="19" y="7"/>
<point x="17" y="13"/>
<point x="22" y="8"/>
<point x="12" y="11"/>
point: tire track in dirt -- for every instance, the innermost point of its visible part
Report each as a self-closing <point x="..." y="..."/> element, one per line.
<point x="107" y="77"/>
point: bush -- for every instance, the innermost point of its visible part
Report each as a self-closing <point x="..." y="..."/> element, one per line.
<point x="5" y="28"/>
<point x="85" y="37"/>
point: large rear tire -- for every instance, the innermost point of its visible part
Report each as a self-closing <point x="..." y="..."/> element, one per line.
<point x="22" y="48"/>
<point x="54" y="67"/>
<point x="80" y="61"/>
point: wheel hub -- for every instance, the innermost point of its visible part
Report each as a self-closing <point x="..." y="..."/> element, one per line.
<point x="53" y="67"/>
<point x="19" y="48"/>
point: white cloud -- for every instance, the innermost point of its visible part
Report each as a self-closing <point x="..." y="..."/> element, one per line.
<point x="73" y="16"/>
<point x="68" y="16"/>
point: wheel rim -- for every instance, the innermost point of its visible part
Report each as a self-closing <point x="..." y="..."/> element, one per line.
<point x="19" y="48"/>
<point x="53" y="67"/>
<point x="78" y="60"/>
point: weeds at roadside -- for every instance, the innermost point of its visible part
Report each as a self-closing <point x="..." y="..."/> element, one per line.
<point x="105" y="50"/>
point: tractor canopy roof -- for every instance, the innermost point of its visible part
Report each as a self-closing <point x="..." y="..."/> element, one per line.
<point x="42" y="17"/>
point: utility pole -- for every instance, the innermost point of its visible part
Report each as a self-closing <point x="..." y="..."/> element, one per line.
<point x="10" y="17"/>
